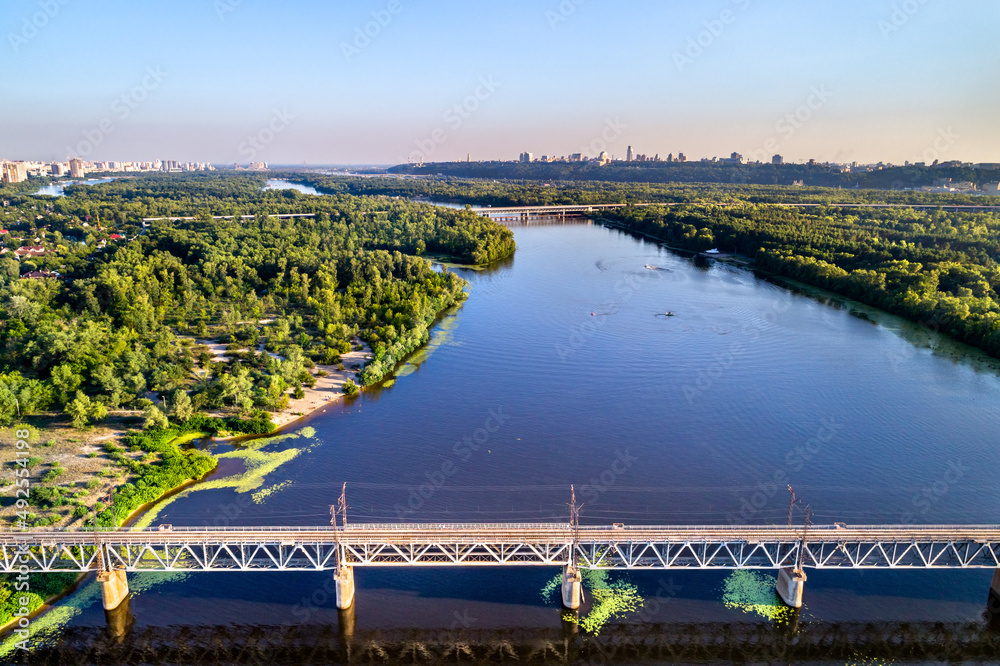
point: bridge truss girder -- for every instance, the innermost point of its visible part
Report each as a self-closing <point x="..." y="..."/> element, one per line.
<point x="243" y="555"/>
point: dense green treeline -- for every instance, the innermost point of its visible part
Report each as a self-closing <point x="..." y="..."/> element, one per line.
<point x="289" y="293"/>
<point x="35" y="591"/>
<point x="532" y="193"/>
<point x="935" y="267"/>
<point x="378" y="222"/>
<point x="24" y="187"/>
<point x="816" y="175"/>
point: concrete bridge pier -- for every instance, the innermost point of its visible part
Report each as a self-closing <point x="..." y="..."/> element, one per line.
<point x="790" y="586"/>
<point x="114" y="588"/>
<point x="344" y="579"/>
<point x="572" y="587"/>
<point x="993" y="600"/>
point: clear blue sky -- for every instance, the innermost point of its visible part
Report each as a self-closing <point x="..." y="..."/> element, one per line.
<point x="893" y="78"/>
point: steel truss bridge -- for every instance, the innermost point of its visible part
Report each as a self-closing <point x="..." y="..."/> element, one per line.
<point x="541" y="544"/>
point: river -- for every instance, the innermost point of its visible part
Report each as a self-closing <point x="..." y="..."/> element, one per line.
<point x="279" y="184"/>
<point x="703" y="417"/>
<point x="59" y="189"/>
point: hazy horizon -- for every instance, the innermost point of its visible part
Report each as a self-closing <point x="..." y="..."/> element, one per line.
<point x="225" y="81"/>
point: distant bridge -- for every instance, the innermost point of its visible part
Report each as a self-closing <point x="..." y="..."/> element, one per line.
<point x="521" y="213"/>
<point x="524" y="213"/>
<point x="789" y="550"/>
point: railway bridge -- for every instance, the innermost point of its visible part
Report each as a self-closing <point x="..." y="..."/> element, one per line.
<point x="522" y="214"/>
<point x="790" y="551"/>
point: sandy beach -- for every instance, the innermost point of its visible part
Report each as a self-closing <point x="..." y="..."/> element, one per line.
<point x="328" y="388"/>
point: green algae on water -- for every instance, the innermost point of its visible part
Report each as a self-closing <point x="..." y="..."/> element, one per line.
<point x="754" y="593"/>
<point x="610" y="599"/>
<point x="551" y="587"/>
<point x="263" y="494"/>
<point x="258" y="464"/>
<point x="442" y="336"/>
<point x="861" y="660"/>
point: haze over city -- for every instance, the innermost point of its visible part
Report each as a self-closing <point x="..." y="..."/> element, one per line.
<point x="223" y="81"/>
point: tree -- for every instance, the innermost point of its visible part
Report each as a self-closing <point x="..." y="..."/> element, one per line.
<point x="65" y="380"/>
<point x="79" y="409"/>
<point x="20" y="396"/>
<point x="98" y="410"/>
<point x="155" y="420"/>
<point x="237" y="386"/>
<point x="274" y="397"/>
<point x="180" y="406"/>
<point x="350" y="389"/>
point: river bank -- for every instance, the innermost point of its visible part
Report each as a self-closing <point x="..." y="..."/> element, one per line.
<point x="327" y="389"/>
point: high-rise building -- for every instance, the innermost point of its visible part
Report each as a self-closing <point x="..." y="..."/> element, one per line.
<point x="628" y="155"/>
<point x="15" y="172"/>
<point x="777" y="159"/>
<point x="526" y="157"/>
<point x="76" y="169"/>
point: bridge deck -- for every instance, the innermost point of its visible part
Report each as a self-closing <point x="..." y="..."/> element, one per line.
<point x="633" y="547"/>
<point x="587" y="208"/>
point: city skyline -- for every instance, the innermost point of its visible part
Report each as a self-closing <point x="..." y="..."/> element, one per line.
<point x="229" y="81"/>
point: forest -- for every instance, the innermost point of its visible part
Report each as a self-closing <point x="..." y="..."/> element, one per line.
<point x="117" y="327"/>
<point x="933" y="267"/>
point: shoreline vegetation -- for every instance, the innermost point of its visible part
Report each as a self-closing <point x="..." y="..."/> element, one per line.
<point x="158" y="333"/>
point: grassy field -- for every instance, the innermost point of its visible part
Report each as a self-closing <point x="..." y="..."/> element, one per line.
<point x="65" y="460"/>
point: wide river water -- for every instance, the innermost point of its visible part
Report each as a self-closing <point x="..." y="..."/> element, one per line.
<point x="709" y="415"/>
<point x="59" y="189"/>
